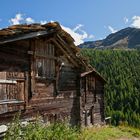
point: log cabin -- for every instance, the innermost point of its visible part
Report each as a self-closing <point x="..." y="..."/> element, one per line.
<point x="42" y="72"/>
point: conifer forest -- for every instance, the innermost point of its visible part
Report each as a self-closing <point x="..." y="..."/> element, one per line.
<point x="121" y="69"/>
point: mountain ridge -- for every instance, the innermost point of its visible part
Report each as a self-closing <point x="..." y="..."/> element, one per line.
<point x="127" y="38"/>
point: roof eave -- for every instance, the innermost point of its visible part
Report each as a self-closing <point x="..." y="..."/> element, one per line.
<point x="84" y="74"/>
<point x="25" y="36"/>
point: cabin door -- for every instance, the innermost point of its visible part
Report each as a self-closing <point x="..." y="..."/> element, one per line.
<point x="12" y="91"/>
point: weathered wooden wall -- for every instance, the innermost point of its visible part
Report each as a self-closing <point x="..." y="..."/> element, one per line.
<point x="14" y="57"/>
<point x="54" y="93"/>
<point x="13" y="68"/>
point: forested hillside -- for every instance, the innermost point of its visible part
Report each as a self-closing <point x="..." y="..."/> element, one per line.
<point x="121" y="69"/>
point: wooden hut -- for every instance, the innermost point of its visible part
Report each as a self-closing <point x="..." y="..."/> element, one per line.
<point x="42" y="72"/>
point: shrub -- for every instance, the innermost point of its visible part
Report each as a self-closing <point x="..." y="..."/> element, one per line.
<point x="37" y="131"/>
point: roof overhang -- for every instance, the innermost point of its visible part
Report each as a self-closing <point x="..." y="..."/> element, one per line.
<point x="25" y="36"/>
<point x="93" y="71"/>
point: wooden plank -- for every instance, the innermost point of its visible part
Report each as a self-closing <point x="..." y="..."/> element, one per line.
<point x="3" y="81"/>
<point x="10" y="102"/>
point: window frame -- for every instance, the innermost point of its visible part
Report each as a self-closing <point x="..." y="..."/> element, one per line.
<point x="45" y="54"/>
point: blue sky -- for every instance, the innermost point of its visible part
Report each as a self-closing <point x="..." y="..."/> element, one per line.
<point x="83" y="19"/>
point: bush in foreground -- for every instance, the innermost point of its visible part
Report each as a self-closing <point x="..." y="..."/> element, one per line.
<point x="38" y="131"/>
<point x="62" y="131"/>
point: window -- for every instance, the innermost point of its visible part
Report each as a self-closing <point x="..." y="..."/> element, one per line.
<point x="40" y="68"/>
<point x="44" y="60"/>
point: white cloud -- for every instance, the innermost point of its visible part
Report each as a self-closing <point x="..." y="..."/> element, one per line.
<point x="91" y="36"/>
<point x="77" y="37"/>
<point x="112" y="29"/>
<point x="77" y="27"/>
<point x="126" y="20"/>
<point x="42" y="22"/>
<point x="136" y="21"/>
<point x="78" y="34"/>
<point x="29" y="20"/>
<point x="20" y="18"/>
<point x="17" y="19"/>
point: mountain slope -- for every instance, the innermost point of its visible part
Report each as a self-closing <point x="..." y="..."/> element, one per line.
<point x="125" y="38"/>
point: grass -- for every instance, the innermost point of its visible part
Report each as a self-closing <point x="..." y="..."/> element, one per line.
<point x="109" y="133"/>
<point x="62" y="131"/>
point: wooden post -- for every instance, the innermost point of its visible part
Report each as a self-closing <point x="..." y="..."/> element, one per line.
<point x="26" y="87"/>
<point x="85" y="117"/>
